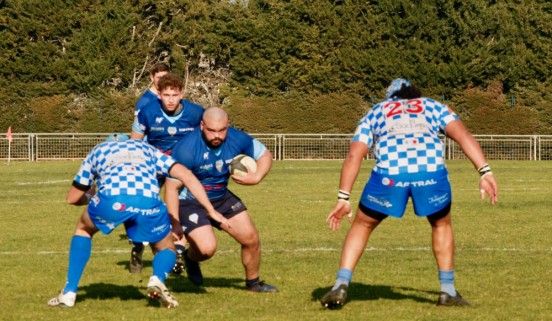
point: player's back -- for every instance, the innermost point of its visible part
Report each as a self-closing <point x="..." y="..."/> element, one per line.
<point x="125" y="168"/>
<point x="405" y="134"/>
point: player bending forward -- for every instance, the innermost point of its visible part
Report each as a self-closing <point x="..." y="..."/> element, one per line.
<point x="124" y="172"/>
<point x="405" y="131"/>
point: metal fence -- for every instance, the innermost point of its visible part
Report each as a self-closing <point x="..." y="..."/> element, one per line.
<point x="45" y="146"/>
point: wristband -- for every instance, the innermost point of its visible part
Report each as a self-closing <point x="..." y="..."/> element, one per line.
<point x="343" y="195"/>
<point x="484" y="170"/>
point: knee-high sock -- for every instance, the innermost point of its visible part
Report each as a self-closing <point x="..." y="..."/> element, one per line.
<point x="79" y="254"/>
<point x="163" y="262"/>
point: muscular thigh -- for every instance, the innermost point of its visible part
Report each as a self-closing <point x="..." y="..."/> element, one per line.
<point x="193" y="215"/>
<point x="242" y="228"/>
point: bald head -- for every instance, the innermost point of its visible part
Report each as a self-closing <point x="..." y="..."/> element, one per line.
<point x="214" y="126"/>
<point x="215" y="114"/>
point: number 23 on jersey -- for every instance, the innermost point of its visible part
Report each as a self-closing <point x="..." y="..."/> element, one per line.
<point x="413" y="106"/>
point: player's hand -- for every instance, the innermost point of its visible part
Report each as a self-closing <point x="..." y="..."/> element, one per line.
<point x="341" y="209"/>
<point x="248" y="179"/>
<point x="216" y="216"/>
<point x="487" y="185"/>
<point x="177" y="231"/>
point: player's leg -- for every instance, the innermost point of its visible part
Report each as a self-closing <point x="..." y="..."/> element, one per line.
<point x="443" y="249"/>
<point x="380" y="198"/>
<point x="365" y="222"/>
<point x="155" y="229"/>
<point x="202" y="246"/>
<point x="79" y="254"/>
<point x="180" y="246"/>
<point x="434" y="200"/>
<point x="163" y="262"/>
<point x="244" y="232"/>
<point x="136" y="254"/>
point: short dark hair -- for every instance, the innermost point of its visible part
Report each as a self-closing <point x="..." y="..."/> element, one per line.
<point x="170" y="80"/>
<point x="159" y="67"/>
<point x="408" y="92"/>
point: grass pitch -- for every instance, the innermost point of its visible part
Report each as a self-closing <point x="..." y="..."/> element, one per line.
<point x="503" y="261"/>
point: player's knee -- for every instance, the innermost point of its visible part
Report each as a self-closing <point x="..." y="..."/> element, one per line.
<point x="207" y="250"/>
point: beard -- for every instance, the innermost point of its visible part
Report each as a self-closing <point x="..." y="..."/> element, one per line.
<point x="213" y="143"/>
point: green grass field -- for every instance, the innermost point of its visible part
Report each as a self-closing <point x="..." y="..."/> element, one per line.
<point x="503" y="262"/>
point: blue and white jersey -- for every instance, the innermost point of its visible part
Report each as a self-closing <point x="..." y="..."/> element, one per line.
<point x="124" y="168"/>
<point x="164" y="131"/>
<point x="406" y="134"/>
<point x="147" y="98"/>
<point x="211" y="166"/>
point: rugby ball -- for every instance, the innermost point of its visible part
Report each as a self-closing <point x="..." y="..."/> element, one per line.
<point x="240" y="163"/>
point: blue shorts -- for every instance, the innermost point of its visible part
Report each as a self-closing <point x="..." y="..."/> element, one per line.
<point x="146" y="219"/>
<point x="193" y="215"/>
<point x="388" y="194"/>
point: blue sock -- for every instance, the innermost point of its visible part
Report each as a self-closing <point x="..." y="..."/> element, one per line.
<point x="344" y="276"/>
<point x="163" y="262"/>
<point x="446" y="278"/>
<point x="79" y="254"/>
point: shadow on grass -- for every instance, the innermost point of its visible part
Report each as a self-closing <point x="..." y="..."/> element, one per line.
<point x="363" y="292"/>
<point x="181" y="284"/>
<point x="126" y="263"/>
<point x="104" y="291"/>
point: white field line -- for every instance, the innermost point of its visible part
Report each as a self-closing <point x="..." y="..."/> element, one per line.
<point x="300" y="250"/>
<point x="43" y="182"/>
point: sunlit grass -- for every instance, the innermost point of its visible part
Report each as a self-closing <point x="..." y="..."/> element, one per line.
<point x="504" y="253"/>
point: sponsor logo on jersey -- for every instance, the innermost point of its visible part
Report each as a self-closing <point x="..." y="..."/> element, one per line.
<point x="439" y="199"/>
<point x="206" y="167"/>
<point x="157" y="129"/>
<point x="118" y="206"/>
<point x="219" y="164"/>
<point x="187" y="129"/>
<point x="206" y="155"/>
<point x="237" y="206"/>
<point x="159" y="228"/>
<point x="172" y="130"/>
<point x="145" y="212"/>
<point x="390" y="182"/>
<point x="380" y="201"/>
<point x="158" y="119"/>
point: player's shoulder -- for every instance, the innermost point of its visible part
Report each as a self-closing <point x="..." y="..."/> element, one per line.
<point x="192" y="107"/>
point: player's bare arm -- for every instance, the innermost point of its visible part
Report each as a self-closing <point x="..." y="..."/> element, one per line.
<point x="171" y="200"/>
<point x="472" y="149"/>
<point x="136" y="135"/>
<point x="349" y="172"/>
<point x="79" y="197"/>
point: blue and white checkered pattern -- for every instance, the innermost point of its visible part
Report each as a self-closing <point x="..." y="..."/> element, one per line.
<point x="124" y="168"/>
<point x="406" y="134"/>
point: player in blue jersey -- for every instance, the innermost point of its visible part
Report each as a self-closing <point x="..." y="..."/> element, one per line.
<point x="164" y="124"/>
<point x="404" y="130"/>
<point x="176" y="118"/>
<point x="151" y="96"/>
<point x="124" y="173"/>
<point x="207" y="152"/>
